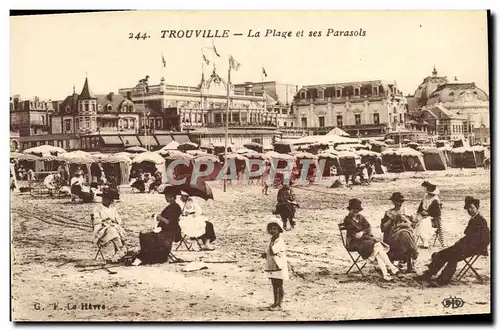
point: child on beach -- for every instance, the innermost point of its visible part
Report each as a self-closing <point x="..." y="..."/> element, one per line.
<point x="276" y="261"/>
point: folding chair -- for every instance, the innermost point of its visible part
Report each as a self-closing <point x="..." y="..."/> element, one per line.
<point x="189" y="246"/>
<point x="99" y="247"/>
<point x="355" y="260"/>
<point x="469" y="265"/>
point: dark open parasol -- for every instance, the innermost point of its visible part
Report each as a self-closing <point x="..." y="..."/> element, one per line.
<point x="200" y="189"/>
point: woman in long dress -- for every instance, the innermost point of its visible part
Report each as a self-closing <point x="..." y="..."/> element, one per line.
<point x="398" y="233"/>
<point x="107" y="225"/>
<point x="157" y="244"/>
<point x="429" y="215"/>
<point x="360" y="239"/>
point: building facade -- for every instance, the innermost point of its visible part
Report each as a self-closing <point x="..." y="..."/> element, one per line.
<point x="463" y="106"/>
<point x="190" y="107"/>
<point x="279" y="99"/>
<point x="30" y="117"/>
<point x="368" y="108"/>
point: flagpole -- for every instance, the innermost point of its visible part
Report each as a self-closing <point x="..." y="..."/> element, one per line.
<point x="213" y="53"/>
<point x="227" y="120"/>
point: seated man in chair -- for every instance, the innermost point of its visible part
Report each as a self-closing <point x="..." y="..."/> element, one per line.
<point x="475" y="242"/>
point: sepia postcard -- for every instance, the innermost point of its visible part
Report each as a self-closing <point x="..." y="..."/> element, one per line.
<point x="250" y="166"/>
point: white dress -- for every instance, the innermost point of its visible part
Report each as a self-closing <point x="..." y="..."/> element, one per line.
<point x="423" y="229"/>
<point x="276" y="260"/>
<point x="107" y="224"/>
<point x="192" y="222"/>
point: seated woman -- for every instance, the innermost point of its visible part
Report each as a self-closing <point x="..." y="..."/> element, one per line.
<point x="137" y="181"/>
<point x="107" y="225"/>
<point x="399" y="234"/>
<point x="80" y="190"/>
<point x="360" y="239"/>
<point x="156" y="181"/>
<point x="156" y="245"/>
<point x="194" y="224"/>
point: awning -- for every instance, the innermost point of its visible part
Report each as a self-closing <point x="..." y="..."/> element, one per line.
<point x="151" y="141"/>
<point x="164" y="139"/>
<point x="182" y="138"/>
<point x="112" y="140"/>
<point x="131" y="141"/>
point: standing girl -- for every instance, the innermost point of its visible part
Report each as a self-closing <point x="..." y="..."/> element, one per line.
<point x="276" y="262"/>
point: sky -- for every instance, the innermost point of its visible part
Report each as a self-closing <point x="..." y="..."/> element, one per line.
<point x="51" y="53"/>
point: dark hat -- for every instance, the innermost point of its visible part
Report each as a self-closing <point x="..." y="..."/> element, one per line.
<point x="471" y="201"/>
<point x="432" y="189"/>
<point x="108" y="193"/>
<point x="425" y="183"/>
<point x="397" y="196"/>
<point x="354" y="204"/>
<point x="167" y="189"/>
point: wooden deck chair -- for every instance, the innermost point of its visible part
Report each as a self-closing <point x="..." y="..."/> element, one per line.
<point x="189" y="246"/>
<point x="99" y="247"/>
<point x="469" y="266"/>
<point x="354" y="260"/>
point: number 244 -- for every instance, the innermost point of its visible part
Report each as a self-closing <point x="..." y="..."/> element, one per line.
<point x="138" y="36"/>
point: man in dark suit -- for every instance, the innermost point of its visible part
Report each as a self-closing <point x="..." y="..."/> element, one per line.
<point x="476" y="241"/>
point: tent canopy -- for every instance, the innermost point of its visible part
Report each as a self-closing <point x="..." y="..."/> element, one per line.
<point x="149" y="157"/>
<point x="338" y="132"/>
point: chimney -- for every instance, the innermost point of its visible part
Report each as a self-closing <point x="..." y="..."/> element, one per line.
<point x="129" y="95"/>
<point x="110" y="96"/>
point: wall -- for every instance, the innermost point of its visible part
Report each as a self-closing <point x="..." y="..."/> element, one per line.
<point x="348" y="111"/>
<point x="56" y="125"/>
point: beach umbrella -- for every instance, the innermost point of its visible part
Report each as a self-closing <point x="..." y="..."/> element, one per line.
<point x="187" y="147"/>
<point x="170" y="146"/>
<point x="179" y="156"/>
<point x="149" y="157"/>
<point x="254" y="146"/>
<point x="236" y="157"/>
<point x="15" y="155"/>
<point x="135" y="149"/>
<point x="207" y="158"/>
<point x="200" y="189"/>
<point x="29" y="157"/>
<point x="267" y="148"/>
<point x="304" y="155"/>
<point x="44" y="149"/>
<point x="76" y="154"/>
<point x="196" y="152"/>
<point x="245" y="151"/>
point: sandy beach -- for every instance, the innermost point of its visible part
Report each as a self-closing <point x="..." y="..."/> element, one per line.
<point x="52" y="251"/>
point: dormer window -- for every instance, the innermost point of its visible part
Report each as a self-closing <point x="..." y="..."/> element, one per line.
<point x="321" y="94"/>
<point x="99" y="108"/>
<point x="375" y="90"/>
<point x="338" y="93"/>
<point x="68" y="109"/>
<point x="303" y="95"/>
<point x="109" y="108"/>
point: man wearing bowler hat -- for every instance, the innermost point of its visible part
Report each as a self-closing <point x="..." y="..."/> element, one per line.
<point x="476" y="241"/>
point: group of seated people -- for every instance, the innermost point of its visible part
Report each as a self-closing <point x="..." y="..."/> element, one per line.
<point x="399" y="241"/>
<point x="87" y="193"/>
<point x="363" y="173"/>
<point x="145" y="182"/>
<point x="169" y="226"/>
